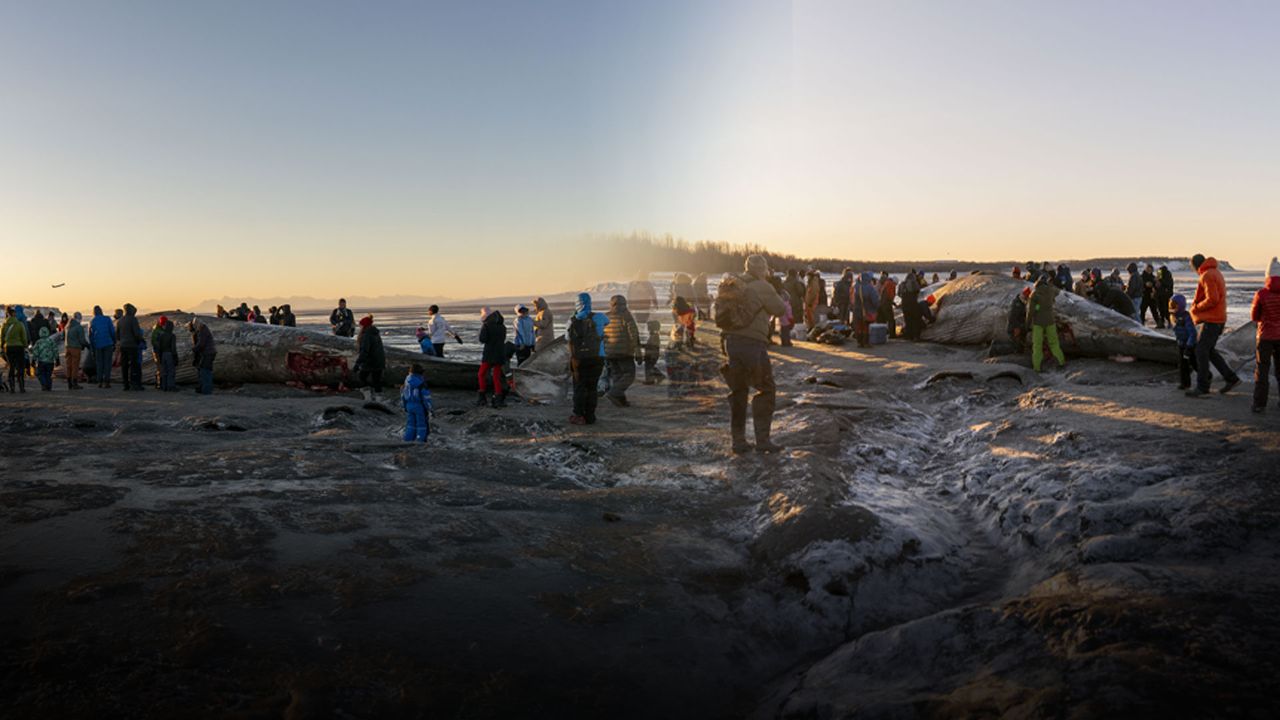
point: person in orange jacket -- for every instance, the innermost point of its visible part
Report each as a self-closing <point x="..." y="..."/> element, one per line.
<point x="1266" y="312"/>
<point x="1209" y="311"/>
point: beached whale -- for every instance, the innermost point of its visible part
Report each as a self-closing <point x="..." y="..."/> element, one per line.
<point x="258" y="353"/>
<point x="974" y="310"/>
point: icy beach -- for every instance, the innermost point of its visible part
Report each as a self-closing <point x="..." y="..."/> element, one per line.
<point x="945" y="536"/>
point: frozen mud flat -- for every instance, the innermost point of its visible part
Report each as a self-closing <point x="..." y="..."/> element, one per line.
<point x="943" y="537"/>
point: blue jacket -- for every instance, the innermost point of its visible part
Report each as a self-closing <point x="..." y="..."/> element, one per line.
<point x="582" y="310"/>
<point x="102" y="332"/>
<point x="524" y="331"/>
<point x="866" y="300"/>
<point x="415" y="393"/>
<point x="1184" y="328"/>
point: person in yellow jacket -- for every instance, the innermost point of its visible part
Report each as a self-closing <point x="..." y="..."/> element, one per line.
<point x="1043" y="326"/>
<point x="14" y="341"/>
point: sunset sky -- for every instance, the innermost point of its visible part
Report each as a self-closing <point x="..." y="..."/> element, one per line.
<point x="166" y="152"/>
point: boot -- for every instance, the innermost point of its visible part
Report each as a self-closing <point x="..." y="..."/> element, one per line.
<point x="482" y="399"/>
<point x="763" y="421"/>
<point x="499" y="401"/>
<point x="740" y="444"/>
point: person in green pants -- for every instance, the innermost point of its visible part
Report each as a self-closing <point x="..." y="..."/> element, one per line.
<point x="1040" y="318"/>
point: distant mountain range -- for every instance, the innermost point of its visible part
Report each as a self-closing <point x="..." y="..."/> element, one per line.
<point x="306" y="302"/>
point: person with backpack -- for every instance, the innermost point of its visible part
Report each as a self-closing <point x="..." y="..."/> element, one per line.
<point x="416" y="398"/>
<point x="622" y="350"/>
<point x="909" y="292"/>
<point x="744" y="305"/>
<point x="586" y="359"/>
<point x="493" y="338"/>
<point x="1044" y="326"/>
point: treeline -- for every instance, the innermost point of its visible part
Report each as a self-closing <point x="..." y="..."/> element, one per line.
<point x="647" y="252"/>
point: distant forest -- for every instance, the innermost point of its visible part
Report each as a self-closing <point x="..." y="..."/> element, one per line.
<point x="660" y="253"/>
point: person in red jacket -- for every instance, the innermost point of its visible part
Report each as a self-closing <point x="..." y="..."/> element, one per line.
<point x="1209" y="311"/>
<point x="1266" y="312"/>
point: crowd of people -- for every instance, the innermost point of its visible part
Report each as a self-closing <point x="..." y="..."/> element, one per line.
<point x="606" y="348"/>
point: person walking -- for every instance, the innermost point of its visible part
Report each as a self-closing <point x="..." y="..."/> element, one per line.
<point x="203" y="352"/>
<point x="439" y="330"/>
<point x="586" y="359"/>
<point x="746" y="343"/>
<point x="102" y="336"/>
<point x="1209" y="310"/>
<point x="371" y="358"/>
<point x="342" y="320"/>
<point x="622" y="350"/>
<point x="416" y="398"/>
<point x="1265" y="311"/>
<point x="129" y="334"/>
<point x="1044" y="326"/>
<point x="493" y="338"/>
<point x="76" y="342"/>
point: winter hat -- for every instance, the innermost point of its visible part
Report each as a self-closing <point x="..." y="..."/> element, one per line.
<point x="1274" y="269"/>
<point x="77" y="317"/>
<point x="163" y="321"/>
<point x="582" y="308"/>
<point x="521" y="309"/>
<point x="1026" y="292"/>
<point x="422" y="332"/>
<point x="1178" y="303"/>
<point x="366" y="321"/>
<point x="757" y="265"/>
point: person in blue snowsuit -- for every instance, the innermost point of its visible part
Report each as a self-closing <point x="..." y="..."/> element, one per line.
<point x="417" y="405"/>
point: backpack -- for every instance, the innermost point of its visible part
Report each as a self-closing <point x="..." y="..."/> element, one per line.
<point x="584" y="339"/>
<point x="909" y="286"/>
<point x="733" y="307"/>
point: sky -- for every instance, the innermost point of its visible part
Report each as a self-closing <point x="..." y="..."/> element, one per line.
<point x="166" y="153"/>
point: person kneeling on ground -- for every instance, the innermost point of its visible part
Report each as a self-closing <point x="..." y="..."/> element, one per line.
<point x="416" y="398"/>
<point x="1043" y="325"/>
<point x="1184" y="329"/>
<point x="743" y="307"/>
<point x="1266" y="312"/>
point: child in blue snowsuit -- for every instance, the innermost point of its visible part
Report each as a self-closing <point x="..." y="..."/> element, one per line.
<point x="417" y="405"/>
<point x="1184" y="328"/>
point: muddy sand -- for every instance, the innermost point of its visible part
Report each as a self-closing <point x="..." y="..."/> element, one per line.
<point x="944" y="537"/>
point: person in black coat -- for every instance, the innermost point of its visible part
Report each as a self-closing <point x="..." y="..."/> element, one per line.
<point x="493" y="336"/>
<point x="372" y="359"/>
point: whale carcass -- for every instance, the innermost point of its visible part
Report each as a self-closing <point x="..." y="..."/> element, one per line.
<point x="974" y="310"/>
<point x="259" y="353"/>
